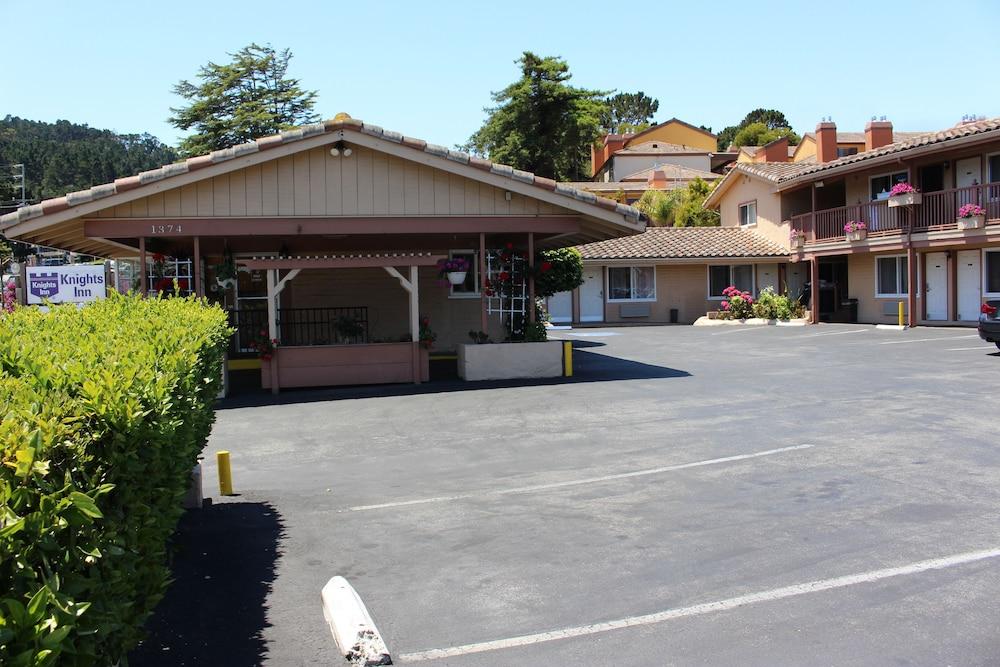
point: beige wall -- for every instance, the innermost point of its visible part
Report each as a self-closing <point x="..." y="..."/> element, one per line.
<point x="315" y="183"/>
<point x="769" y="222"/>
<point x="388" y="303"/>
<point x="861" y="286"/>
<point x="676" y="133"/>
<point x="625" y="165"/>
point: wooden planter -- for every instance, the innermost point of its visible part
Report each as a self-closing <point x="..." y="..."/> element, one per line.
<point x="973" y="222"/>
<point x="857" y="235"/>
<point x="508" y="361"/>
<point x="330" y="365"/>
<point x="909" y="199"/>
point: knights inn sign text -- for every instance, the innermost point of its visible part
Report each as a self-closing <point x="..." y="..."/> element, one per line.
<point x="66" y="284"/>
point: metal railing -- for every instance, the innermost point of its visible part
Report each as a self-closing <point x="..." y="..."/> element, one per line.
<point x="300" y="326"/>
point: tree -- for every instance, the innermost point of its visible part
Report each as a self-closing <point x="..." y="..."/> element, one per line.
<point x="628" y="112"/>
<point x="758" y="134"/>
<point x="542" y="124"/>
<point x="247" y="98"/>
<point x="684" y="207"/>
<point x="771" y="118"/>
<point x="659" y="206"/>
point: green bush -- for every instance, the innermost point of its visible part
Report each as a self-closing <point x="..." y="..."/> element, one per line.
<point x="771" y="306"/>
<point x="105" y="411"/>
<point x="559" y="270"/>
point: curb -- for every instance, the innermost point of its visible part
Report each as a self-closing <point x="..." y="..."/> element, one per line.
<point x="892" y="327"/>
<point x="352" y="627"/>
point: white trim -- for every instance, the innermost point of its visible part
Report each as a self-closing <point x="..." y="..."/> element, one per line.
<point x="708" y="278"/>
<point x="892" y="295"/>
<point x="632" y="268"/>
<point x="739" y="214"/>
<point x="985" y="157"/>
<point x="985" y="292"/>
<point x="475" y="274"/>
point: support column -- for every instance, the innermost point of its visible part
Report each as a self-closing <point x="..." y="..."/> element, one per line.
<point x="196" y="267"/>
<point x="272" y="324"/>
<point x="415" y="321"/>
<point x="531" y="277"/>
<point x="482" y="281"/>
<point x="142" y="266"/>
<point x="814" y="289"/>
<point x="911" y="285"/>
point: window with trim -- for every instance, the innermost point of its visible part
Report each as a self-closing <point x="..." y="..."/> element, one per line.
<point x="881" y="185"/>
<point x="721" y="276"/>
<point x="470" y="288"/>
<point x="847" y="150"/>
<point x="993" y="166"/>
<point x="631" y="283"/>
<point x="991" y="272"/>
<point x="891" y="274"/>
<point x="748" y="213"/>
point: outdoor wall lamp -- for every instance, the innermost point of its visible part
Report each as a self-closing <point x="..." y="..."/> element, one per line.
<point x="341" y="148"/>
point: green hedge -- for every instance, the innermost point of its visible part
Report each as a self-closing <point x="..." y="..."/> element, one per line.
<point x="106" y="409"/>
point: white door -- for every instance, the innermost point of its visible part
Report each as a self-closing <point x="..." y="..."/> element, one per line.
<point x="561" y="308"/>
<point x="968" y="172"/>
<point x="592" y="295"/>
<point x="936" y="288"/>
<point x="969" y="285"/>
<point x="767" y="276"/>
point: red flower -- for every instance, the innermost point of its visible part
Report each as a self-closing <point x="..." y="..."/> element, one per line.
<point x="158" y="257"/>
<point x="546" y="266"/>
<point x="504" y="276"/>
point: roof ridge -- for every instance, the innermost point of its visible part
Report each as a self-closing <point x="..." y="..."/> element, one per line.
<point x="338" y="123"/>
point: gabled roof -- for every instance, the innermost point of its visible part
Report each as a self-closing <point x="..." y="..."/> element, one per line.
<point x="656" y="147"/>
<point x="685" y="243"/>
<point x="672" y="172"/>
<point x="678" y="121"/>
<point x="109" y="194"/>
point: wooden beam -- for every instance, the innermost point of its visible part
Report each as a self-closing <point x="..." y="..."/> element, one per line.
<point x="391" y="270"/>
<point x="814" y="289"/>
<point x="531" y="277"/>
<point x="142" y="266"/>
<point x="415" y="321"/>
<point x="334" y="262"/>
<point x="303" y="226"/>
<point x="196" y="267"/>
<point x="482" y="281"/>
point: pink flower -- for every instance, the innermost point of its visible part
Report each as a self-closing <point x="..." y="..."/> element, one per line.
<point x="725" y="305"/>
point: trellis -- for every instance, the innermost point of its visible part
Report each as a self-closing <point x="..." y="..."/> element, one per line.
<point x="507" y="298"/>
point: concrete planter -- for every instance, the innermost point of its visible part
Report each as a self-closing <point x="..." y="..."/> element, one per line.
<point x="857" y="235"/>
<point x="973" y="222"/>
<point x="709" y="321"/>
<point x="508" y="361"/>
<point x="909" y="199"/>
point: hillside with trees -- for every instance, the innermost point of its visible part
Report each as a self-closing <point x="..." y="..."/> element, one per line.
<point x="63" y="157"/>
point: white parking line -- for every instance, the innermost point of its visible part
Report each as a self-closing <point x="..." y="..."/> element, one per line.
<point x="980" y="347"/>
<point x="577" y="482"/>
<point x="925" y="340"/>
<point x="707" y="607"/>
<point x="833" y="333"/>
<point x="744" y="329"/>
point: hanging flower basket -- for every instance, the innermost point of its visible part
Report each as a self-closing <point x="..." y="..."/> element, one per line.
<point x="904" y="194"/>
<point x="454" y="269"/>
<point x="856" y="231"/>
<point x="971" y="216"/>
<point x="796" y="239"/>
<point x="457" y="277"/>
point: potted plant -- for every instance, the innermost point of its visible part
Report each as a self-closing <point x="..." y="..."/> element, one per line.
<point x="904" y="194"/>
<point x="796" y="238"/>
<point x="856" y="230"/>
<point x="426" y="335"/>
<point x="225" y="273"/>
<point x="264" y="346"/>
<point x="971" y="216"/>
<point x="454" y="269"/>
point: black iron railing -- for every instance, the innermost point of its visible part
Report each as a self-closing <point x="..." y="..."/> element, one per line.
<point x="300" y="326"/>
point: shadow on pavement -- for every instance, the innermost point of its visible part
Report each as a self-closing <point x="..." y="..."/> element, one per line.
<point x="587" y="366"/>
<point x="215" y="611"/>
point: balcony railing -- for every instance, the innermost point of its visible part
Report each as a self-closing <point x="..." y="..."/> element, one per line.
<point x="938" y="211"/>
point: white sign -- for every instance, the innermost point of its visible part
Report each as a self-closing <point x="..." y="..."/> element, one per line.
<point x="66" y="284"/>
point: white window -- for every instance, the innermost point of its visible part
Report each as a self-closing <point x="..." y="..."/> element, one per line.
<point x="631" y="283"/>
<point x="882" y="185"/>
<point x="748" y="214"/>
<point x="470" y="288"/>
<point x="891" y="275"/>
<point x="991" y="273"/>
<point x="721" y="276"/>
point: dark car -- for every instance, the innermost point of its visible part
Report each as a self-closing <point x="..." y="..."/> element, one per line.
<point x="989" y="322"/>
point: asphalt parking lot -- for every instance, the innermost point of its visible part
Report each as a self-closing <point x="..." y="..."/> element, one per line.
<point x="711" y="496"/>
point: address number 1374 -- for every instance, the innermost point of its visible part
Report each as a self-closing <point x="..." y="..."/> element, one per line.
<point x="165" y="229"/>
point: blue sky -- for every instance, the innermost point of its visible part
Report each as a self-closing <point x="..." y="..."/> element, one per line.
<point x="427" y="68"/>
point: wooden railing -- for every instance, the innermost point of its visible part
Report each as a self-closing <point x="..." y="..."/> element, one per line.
<point x="938" y="211"/>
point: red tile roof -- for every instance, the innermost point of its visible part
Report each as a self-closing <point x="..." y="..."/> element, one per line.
<point x="685" y="243"/>
<point x="289" y="136"/>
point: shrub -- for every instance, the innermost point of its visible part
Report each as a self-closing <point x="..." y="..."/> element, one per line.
<point x="771" y="306"/>
<point x="559" y="270"/>
<point x="737" y="305"/>
<point x="105" y="411"/>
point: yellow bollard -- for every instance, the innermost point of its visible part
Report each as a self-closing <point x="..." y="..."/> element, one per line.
<point x="567" y="358"/>
<point x="901" y="318"/>
<point x="225" y="473"/>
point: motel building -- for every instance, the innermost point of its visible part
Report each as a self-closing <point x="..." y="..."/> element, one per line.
<point x="328" y="238"/>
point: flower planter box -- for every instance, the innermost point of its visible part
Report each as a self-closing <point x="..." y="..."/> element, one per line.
<point x="331" y="365"/>
<point x="857" y="235"/>
<point x="909" y="199"/>
<point x="797" y="243"/>
<point x="973" y="222"/>
<point x="509" y="361"/>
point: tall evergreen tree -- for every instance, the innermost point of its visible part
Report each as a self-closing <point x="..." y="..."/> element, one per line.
<point x="542" y="124"/>
<point x="233" y="103"/>
<point x="772" y="119"/>
<point x="629" y="112"/>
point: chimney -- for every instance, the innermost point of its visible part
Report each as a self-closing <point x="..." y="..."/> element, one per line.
<point x="826" y="141"/>
<point x="611" y="143"/>
<point x="775" y="151"/>
<point x="657" y="179"/>
<point x="878" y="133"/>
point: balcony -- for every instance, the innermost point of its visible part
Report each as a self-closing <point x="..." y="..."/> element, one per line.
<point x="939" y="210"/>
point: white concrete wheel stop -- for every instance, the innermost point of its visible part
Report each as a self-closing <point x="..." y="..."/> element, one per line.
<point x="354" y="631"/>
